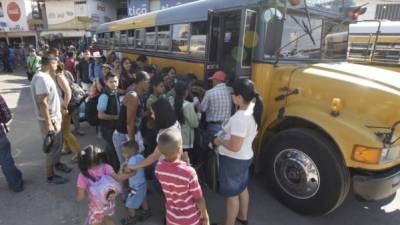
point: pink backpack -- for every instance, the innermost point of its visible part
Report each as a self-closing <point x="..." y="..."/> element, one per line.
<point x="105" y="189"/>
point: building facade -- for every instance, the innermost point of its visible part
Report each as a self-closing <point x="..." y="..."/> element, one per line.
<point x="71" y="21"/>
<point x="15" y="22"/>
<point x="383" y="9"/>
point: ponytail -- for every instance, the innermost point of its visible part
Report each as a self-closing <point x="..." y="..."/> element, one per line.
<point x="258" y="109"/>
<point x="246" y="89"/>
<point x="180" y="90"/>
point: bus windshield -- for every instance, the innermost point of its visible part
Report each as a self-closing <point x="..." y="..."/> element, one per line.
<point x="307" y="38"/>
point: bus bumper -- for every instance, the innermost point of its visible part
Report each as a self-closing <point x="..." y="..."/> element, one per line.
<point x="377" y="186"/>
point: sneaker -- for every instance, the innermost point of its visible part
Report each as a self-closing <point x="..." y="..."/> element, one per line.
<point x="130" y="220"/>
<point x="18" y="188"/>
<point x="63" y="168"/>
<point x="56" y="179"/>
<point x="144" y="214"/>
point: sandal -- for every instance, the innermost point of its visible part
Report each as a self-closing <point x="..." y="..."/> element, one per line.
<point x="243" y="222"/>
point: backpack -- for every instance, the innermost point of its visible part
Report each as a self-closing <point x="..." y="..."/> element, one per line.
<point x="91" y="111"/>
<point x="5" y="113"/>
<point x="105" y="189"/>
<point x="78" y="95"/>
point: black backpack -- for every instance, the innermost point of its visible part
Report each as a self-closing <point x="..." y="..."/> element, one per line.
<point x="78" y="95"/>
<point x="91" y="111"/>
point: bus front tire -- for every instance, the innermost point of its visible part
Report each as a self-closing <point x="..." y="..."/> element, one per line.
<point x="305" y="171"/>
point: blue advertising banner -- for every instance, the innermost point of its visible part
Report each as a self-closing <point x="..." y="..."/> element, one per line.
<point x="138" y="7"/>
<point x="171" y="3"/>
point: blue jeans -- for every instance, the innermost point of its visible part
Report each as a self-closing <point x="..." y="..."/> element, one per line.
<point x="12" y="174"/>
<point x="212" y="130"/>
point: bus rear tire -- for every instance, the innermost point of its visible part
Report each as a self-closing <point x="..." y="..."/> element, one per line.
<point x="305" y="171"/>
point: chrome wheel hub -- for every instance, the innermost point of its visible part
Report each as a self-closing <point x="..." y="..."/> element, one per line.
<point x="296" y="173"/>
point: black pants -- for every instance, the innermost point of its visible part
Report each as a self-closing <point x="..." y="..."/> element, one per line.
<point x="6" y="65"/>
<point x="112" y="157"/>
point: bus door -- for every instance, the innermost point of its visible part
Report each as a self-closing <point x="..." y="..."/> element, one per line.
<point x="231" y="39"/>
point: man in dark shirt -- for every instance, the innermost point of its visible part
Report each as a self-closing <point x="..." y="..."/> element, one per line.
<point x="82" y="69"/>
<point x="70" y="63"/>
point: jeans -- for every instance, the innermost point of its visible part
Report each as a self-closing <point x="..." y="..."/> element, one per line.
<point x="70" y="141"/>
<point x="119" y="139"/>
<point x="107" y="134"/>
<point x="12" y="174"/>
<point x="212" y="130"/>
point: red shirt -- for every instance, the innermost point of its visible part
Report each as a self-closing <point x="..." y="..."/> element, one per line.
<point x="181" y="189"/>
<point x="70" y="66"/>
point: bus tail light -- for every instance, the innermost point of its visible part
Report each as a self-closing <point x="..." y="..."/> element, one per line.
<point x="367" y="155"/>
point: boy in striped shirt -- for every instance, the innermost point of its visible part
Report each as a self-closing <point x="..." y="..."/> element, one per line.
<point x="185" y="204"/>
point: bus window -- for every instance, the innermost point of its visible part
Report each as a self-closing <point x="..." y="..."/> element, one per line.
<point x="117" y="36"/>
<point x="163" y="38"/>
<point x="123" y="38"/>
<point x="131" y="38"/>
<point x="139" y="38"/>
<point x="112" y="41"/>
<point x="150" y="40"/>
<point x="249" y="38"/>
<point x="198" y="39"/>
<point x="273" y="33"/>
<point x="180" y="38"/>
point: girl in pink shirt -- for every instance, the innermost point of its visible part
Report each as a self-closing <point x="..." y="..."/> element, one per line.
<point x="92" y="169"/>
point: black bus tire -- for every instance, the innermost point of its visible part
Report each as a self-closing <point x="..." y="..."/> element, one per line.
<point x="286" y="157"/>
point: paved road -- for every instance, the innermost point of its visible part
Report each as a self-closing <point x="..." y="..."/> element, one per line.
<point x="41" y="204"/>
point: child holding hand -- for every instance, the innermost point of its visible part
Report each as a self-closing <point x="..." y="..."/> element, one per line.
<point x="185" y="203"/>
<point x="137" y="185"/>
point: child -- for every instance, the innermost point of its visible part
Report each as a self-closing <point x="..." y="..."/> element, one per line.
<point x="175" y="176"/>
<point x="108" y="107"/>
<point x="92" y="170"/>
<point x="157" y="91"/>
<point x="137" y="185"/>
<point x="188" y="118"/>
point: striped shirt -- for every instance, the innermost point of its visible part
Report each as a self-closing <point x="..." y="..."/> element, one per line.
<point x="181" y="189"/>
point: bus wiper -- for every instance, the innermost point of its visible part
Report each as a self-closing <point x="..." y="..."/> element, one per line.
<point x="307" y="30"/>
<point x="279" y="50"/>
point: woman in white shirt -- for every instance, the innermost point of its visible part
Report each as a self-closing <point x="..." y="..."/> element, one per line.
<point x="235" y="150"/>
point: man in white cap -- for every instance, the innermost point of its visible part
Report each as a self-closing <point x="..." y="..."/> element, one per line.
<point x="95" y="73"/>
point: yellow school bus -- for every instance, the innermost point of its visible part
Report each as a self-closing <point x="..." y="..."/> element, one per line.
<point x="375" y="42"/>
<point x="329" y="127"/>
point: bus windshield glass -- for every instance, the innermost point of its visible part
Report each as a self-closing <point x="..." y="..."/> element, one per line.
<point x="299" y="40"/>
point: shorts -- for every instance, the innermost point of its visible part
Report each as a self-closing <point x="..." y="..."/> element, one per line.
<point x="54" y="155"/>
<point x="233" y="175"/>
<point x="135" y="201"/>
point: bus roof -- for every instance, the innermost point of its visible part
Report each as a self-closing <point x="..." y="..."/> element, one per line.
<point x="185" y="13"/>
<point x="368" y="27"/>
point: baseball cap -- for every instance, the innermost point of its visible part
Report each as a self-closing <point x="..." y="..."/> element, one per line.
<point x="219" y="75"/>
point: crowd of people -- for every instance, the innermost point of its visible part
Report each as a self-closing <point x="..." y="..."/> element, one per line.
<point x="150" y="119"/>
